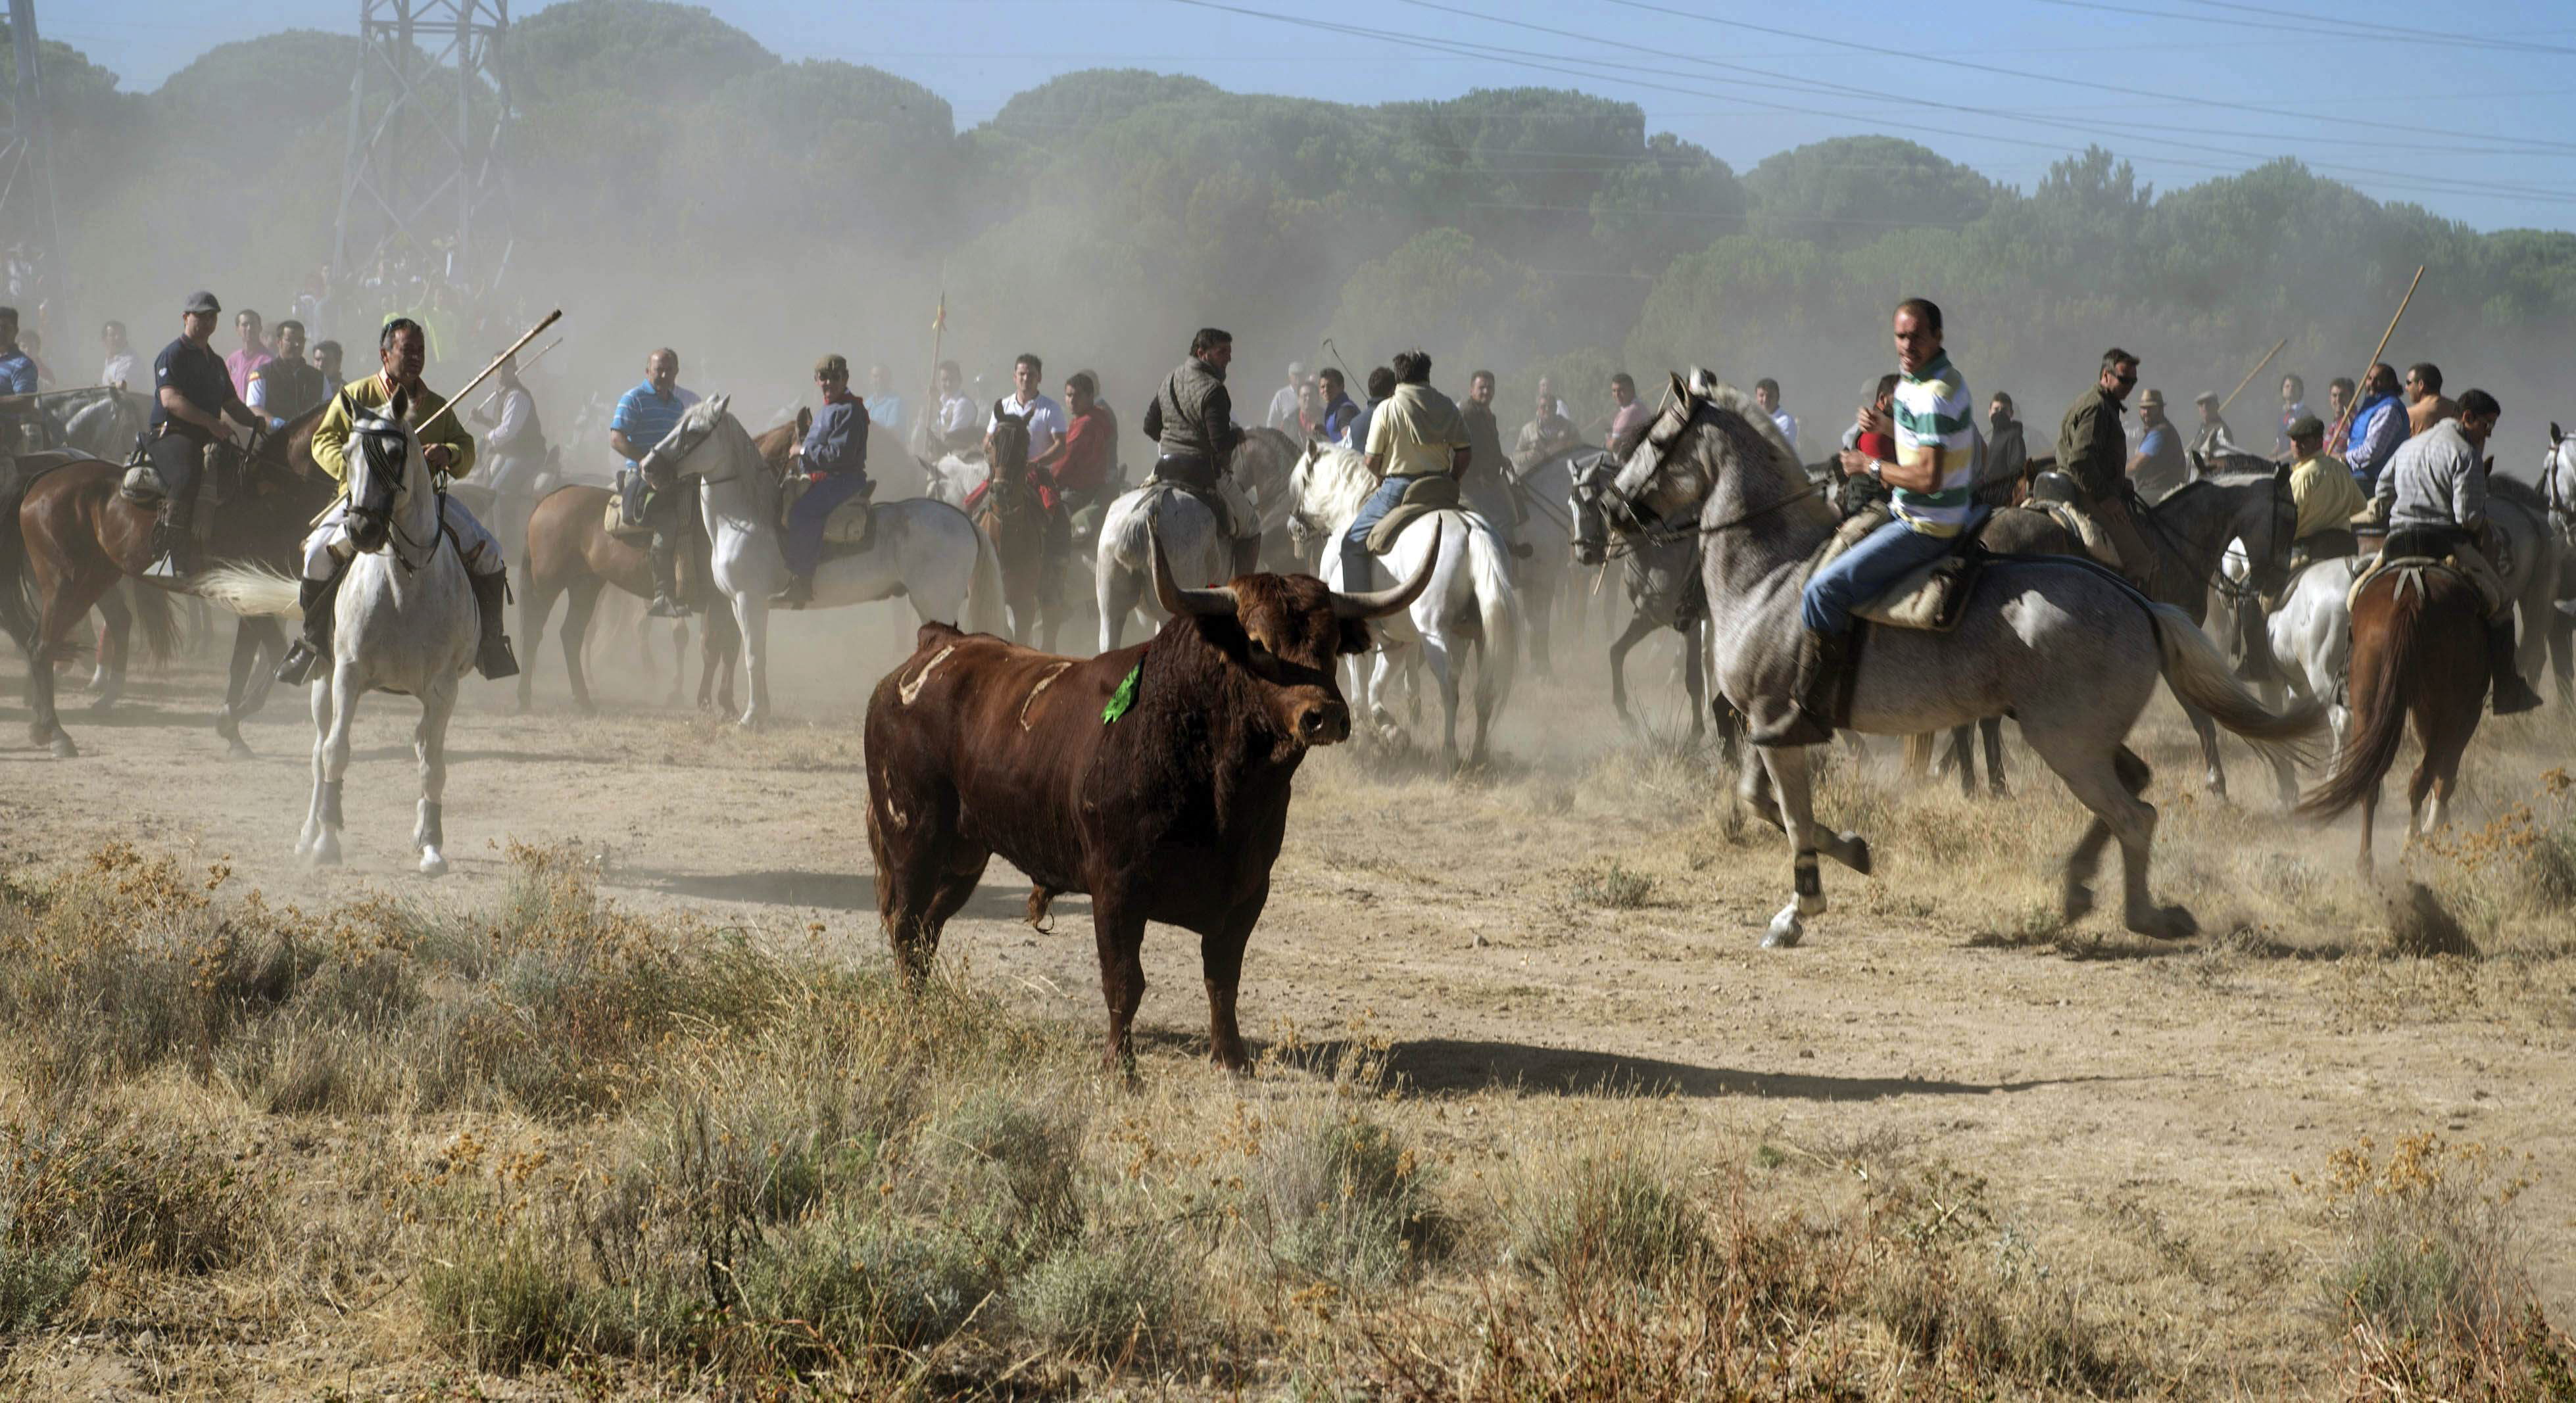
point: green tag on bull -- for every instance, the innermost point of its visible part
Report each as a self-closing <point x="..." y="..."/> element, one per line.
<point x="1124" y="697"/>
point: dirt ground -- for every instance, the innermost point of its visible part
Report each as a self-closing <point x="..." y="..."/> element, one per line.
<point x="1576" y="924"/>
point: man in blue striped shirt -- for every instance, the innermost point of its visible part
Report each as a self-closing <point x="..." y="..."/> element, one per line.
<point x="645" y="416"/>
<point x="1932" y="486"/>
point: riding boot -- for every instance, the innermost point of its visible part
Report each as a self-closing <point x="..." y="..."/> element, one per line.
<point x="1820" y="677"/>
<point x="317" y="598"/>
<point x="1247" y="555"/>
<point x="662" y="556"/>
<point x="798" y="594"/>
<point x="174" y="540"/>
<point x="492" y="658"/>
<point x="2512" y="694"/>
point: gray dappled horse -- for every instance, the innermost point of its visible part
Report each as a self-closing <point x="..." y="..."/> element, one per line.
<point x="2065" y="647"/>
<point x="1660" y="570"/>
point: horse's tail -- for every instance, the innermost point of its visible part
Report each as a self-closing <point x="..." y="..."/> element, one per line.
<point x="2199" y="674"/>
<point x="2379" y="703"/>
<point x="1499" y="610"/>
<point x="17" y="585"/>
<point x="984" y="587"/>
<point x="158" y="621"/>
<point x="252" y="590"/>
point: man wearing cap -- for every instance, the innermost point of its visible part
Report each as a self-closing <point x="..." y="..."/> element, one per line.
<point x="2324" y="495"/>
<point x="834" y="460"/>
<point x="445" y="447"/>
<point x="2211" y="441"/>
<point x="2436" y="491"/>
<point x="2159" y="466"/>
<point x="193" y="400"/>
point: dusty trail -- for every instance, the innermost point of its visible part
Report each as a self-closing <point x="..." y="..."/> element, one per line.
<point x="2132" y="1096"/>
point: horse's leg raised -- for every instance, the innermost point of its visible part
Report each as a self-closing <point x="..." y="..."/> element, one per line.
<point x="429" y="743"/>
<point x="1787" y="766"/>
<point x="68" y="600"/>
<point x="2110" y="785"/>
<point x="580" y="602"/>
<point x="2207" y="729"/>
<point x="245" y="661"/>
<point x="1637" y="629"/>
<point x="751" y="614"/>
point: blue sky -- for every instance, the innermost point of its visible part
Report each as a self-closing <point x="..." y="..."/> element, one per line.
<point x="2460" y="109"/>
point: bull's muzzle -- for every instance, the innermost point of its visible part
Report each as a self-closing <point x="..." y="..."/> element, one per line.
<point x="1324" y="723"/>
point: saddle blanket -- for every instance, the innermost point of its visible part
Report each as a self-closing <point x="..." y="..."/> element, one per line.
<point x="2465" y="565"/>
<point x="1932" y="598"/>
<point x="1422" y="497"/>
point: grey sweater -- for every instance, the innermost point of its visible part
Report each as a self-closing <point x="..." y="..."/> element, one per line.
<point x="2435" y="479"/>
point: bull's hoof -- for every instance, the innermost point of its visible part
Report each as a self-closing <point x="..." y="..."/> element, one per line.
<point x="1787" y="929"/>
<point x="2076" y="904"/>
<point x="62" y="747"/>
<point x="2164" y="923"/>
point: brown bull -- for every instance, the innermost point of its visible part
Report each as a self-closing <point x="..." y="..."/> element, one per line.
<point x="1172" y="812"/>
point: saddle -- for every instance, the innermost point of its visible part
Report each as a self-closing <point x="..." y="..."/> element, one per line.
<point x="1206" y="496"/>
<point x="847" y="526"/>
<point x="1932" y="599"/>
<point x="2080" y="524"/>
<point x="2407" y="552"/>
<point x="1422" y="497"/>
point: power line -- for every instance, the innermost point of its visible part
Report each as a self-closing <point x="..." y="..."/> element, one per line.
<point x="2309" y="24"/>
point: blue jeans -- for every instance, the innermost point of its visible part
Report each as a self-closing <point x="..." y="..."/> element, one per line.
<point x="803" y="543"/>
<point x="1355" y="551"/>
<point x="1865" y="572"/>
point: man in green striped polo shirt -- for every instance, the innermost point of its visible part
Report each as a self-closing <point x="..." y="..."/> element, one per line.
<point x="1931" y="492"/>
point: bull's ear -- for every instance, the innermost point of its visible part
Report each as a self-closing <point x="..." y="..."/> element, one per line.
<point x="1355" y="637"/>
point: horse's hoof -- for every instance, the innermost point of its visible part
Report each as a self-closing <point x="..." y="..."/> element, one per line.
<point x="431" y="864"/>
<point x="325" y="854"/>
<point x="63" y="748"/>
<point x="1861" y="860"/>
<point x="2165" y="923"/>
<point x="236" y="750"/>
<point x="102" y="704"/>
<point x="1787" y="929"/>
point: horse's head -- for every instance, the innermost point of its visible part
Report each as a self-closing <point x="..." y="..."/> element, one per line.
<point x="382" y="450"/>
<point x="1009" y="442"/>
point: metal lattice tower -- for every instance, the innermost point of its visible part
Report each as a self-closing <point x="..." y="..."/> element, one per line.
<point x="429" y="115"/>
<point x="29" y="221"/>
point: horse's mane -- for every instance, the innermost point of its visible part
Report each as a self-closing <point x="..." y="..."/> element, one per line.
<point x="1746" y="424"/>
<point x="2520" y="493"/>
<point x="1338" y="479"/>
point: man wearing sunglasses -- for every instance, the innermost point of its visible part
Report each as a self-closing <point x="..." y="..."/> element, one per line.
<point x="2093" y="450"/>
<point x="834" y="460"/>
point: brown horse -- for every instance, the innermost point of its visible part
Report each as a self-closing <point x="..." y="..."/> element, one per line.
<point x="2419" y="647"/>
<point x="1012" y="518"/>
<point x="67" y="536"/>
<point x="570" y="554"/>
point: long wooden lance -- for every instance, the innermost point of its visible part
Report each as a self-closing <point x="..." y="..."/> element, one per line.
<point x="459" y="397"/>
<point x="2249" y="375"/>
<point x="930" y="395"/>
<point x="532" y="360"/>
<point x="2344" y="424"/>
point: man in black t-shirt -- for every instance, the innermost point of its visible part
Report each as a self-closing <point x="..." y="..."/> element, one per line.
<point x="193" y="399"/>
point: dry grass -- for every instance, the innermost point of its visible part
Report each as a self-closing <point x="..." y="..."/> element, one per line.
<point x="613" y="1156"/>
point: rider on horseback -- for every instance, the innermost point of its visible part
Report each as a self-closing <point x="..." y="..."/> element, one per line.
<point x="645" y="416"/>
<point x="1193" y="420"/>
<point x="2325" y="496"/>
<point x="445" y="447"/>
<point x="1932" y="482"/>
<point x="834" y="459"/>
<point x="1417" y="433"/>
<point x="195" y="399"/>
<point x="2437" y="507"/>
<point x="1070" y="478"/>
<point x="2093" y="451"/>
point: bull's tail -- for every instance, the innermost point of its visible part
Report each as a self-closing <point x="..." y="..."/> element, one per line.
<point x="2199" y="674"/>
<point x="253" y="591"/>
<point x="157" y="621"/>
<point x="2380" y="701"/>
<point x="984" y="588"/>
<point x="1499" y="612"/>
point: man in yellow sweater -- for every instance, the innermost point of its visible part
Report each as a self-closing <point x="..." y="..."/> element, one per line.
<point x="446" y="447"/>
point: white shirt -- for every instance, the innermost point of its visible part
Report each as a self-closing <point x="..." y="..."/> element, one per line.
<point x="1045" y="417"/>
<point x="121" y="369"/>
<point x="1788" y="423"/>
<point x="956" y="414"/>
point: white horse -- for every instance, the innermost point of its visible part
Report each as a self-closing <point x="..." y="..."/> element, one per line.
<point x="1547" y="488"/>
<point x="924" y="550"/>
<point x="1470" y="601"/>
<point x="1121" y="567"/>
<point x="404" y="622"/>
<point x="2558" y="489"/>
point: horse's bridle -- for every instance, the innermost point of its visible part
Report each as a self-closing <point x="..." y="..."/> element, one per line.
<point x="395" y="537"/>
<point x="2230" y="590"/>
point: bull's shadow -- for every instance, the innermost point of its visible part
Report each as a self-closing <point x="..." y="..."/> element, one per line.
<point x="1439" y="1066"/>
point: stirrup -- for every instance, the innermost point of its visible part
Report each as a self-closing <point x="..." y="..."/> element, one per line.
<point x="296" y="668"/>
<point x="165" y="568"/>
<point x="495" y="661"/>
<point x="665" y="607"/>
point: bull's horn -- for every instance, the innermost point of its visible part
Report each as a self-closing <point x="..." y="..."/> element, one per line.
<point x="1378" y="603"/>
<point x="1217" y="603"/>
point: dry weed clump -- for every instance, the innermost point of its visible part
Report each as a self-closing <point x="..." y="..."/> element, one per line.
<point x="2513" y="873"/>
